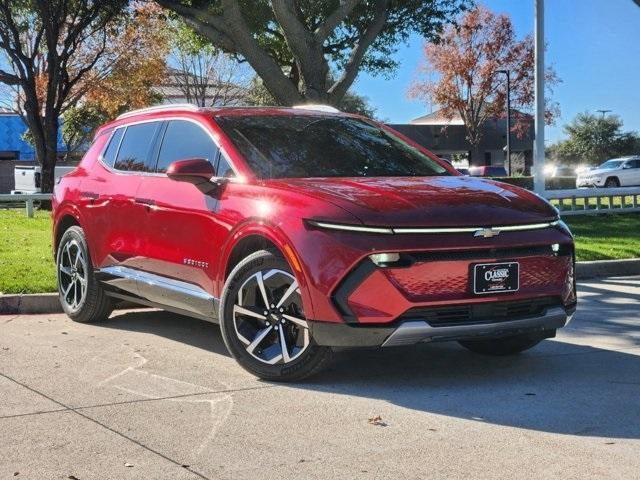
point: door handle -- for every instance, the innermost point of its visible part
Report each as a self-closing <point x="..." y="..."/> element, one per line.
<point x="147" y="202"/>
<point x="89" y="197"/>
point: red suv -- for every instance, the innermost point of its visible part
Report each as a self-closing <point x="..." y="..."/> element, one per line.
<point x="303" y="229"/>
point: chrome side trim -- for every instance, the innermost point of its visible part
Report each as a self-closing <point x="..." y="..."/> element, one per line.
<point x="415" y="331"/>
<point x="162" y="290"/>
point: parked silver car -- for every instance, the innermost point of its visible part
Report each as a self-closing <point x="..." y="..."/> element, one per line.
<point x="617" y="172"/>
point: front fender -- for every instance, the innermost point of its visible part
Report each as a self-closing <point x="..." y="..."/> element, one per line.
<point x="274" y="234"/>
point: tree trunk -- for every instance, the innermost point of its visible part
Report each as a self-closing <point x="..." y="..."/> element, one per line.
<point x="48" y="161"/>
<point x="477" y="158"/>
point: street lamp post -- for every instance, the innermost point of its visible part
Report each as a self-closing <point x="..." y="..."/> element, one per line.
<point x="538" y="146"/>
<point x="508" y="75"/>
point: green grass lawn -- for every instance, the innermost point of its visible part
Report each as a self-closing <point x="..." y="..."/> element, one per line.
<point x="606" y="236"/>
<point x="26" y="263"/>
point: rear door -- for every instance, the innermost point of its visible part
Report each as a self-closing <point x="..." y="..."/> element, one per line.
<point x="109" y="197"/>
<point x="183" y="234"/>
<point x="632" y="174"/>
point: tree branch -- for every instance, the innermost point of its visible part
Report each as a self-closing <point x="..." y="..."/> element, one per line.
<point x="333" y="20"/>
<point x="9" y="79"/>
<point x="340" y="87"/>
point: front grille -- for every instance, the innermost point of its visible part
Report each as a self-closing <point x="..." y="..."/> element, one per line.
<point x="475" y="313"/>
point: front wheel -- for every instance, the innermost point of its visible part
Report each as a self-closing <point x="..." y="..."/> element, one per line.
<point x="506" y="345"/>
<point x="263" y="323"/>
<point x="612" y="182"/>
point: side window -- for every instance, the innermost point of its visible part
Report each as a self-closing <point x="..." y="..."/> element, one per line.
<point x="183" y="140"/>
<point x="224" y="169"/>
<point x="109" y="156"/>
<point x="635" y="163"/>
<point x="136" y="147"/>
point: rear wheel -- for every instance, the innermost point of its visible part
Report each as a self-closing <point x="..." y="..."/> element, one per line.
<point x="81" y="296"/>
<point x="505" y="345"/>
<point x="263" y="323"/>
<point x="612" y="182"/>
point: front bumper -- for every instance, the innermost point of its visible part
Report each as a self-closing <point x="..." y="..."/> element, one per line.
<point x="590" y="182"/>
<point x="412" y="331"/>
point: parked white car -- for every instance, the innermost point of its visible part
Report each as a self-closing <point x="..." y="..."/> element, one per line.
<point x="617" y="172"/>
<point x="28" y="178"/>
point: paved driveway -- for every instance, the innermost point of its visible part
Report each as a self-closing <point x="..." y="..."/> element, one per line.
<point x="155" y="395"/>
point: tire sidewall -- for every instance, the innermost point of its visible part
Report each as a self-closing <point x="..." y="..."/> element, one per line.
<point x="73" y="233"/>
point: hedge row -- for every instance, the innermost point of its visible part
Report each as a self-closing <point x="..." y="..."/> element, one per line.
<point x="552" y="183"/>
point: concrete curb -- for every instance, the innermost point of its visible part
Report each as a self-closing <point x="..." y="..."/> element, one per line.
<point x="608" y="268"/>
<point x="32" y="303"/>
<point x="48" y="302"/>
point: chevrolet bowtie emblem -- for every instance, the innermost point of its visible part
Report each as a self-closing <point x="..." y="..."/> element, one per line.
<point x="486" y="233"/>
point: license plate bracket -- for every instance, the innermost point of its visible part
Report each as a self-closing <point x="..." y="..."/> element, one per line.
<point x="491" y="278"/>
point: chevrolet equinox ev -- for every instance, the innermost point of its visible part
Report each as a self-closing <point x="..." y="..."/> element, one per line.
<point x="303" y="230"/>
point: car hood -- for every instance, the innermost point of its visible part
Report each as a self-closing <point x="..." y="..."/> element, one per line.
<point x="597" y="171"/>
<point x="427" y="201"/>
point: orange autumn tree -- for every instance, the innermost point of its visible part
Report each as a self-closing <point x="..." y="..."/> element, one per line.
<point x="134" y="62"/>
<point x="460" y="74"/>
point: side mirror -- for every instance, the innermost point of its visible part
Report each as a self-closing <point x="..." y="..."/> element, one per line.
<point x="198" y="172"/>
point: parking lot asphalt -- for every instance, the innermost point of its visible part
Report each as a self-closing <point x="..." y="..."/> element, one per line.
<point x="153" y="395"/>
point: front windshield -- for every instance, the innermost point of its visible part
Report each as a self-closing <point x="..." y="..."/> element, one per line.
<point x="300" y="146"/>
<point x="611" y="164"/>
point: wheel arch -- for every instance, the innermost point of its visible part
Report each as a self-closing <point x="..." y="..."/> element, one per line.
<point x="613" y="177"/>
<point x="64" y="220"/>
<point x="251" y="238"/>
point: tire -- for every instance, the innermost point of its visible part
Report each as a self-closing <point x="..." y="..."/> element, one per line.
<point x="612" y="182"/>
<point x="505" y="345"/>
<point x="256" y="340"/>
<point x="82" y="297"/>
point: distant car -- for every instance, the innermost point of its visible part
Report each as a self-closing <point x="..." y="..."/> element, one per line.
<point x="617" y="172"/>
<point x="28" y="178"/>
<point x="487" y="171"/>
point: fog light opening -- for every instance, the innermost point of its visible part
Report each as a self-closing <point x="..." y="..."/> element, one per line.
<point x="385" y="259"/>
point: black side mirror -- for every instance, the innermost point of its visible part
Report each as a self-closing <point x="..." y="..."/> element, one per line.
<point x="198" y="172"/>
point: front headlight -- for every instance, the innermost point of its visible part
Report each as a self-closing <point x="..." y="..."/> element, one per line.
<point x="347" y="227"/>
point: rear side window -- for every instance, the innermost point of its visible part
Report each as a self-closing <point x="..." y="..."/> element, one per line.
<point x="184" y="140"/>
<point x="136" y="147"/>
<point x="109" y="156"/>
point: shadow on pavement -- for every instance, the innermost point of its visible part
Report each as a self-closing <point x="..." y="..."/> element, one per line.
<point x="557" y="387"/>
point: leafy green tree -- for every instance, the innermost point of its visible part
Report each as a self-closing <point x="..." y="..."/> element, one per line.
<point x="351" y="102"/>
<point x="294" y="46"/>
<point x="593" y="139"/>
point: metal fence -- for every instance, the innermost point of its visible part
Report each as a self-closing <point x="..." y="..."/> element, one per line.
<point x="581" y="201"/>
<point x="591" y="201"/>
<point x="28" y="199"/>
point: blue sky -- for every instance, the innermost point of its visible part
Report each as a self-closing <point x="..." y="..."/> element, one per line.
<point x="594" y="46"/>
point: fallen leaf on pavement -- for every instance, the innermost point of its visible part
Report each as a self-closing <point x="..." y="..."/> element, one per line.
<point x="377" y="420"/>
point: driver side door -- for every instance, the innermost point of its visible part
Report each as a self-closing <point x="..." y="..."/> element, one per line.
<point x="184" y="234"/>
